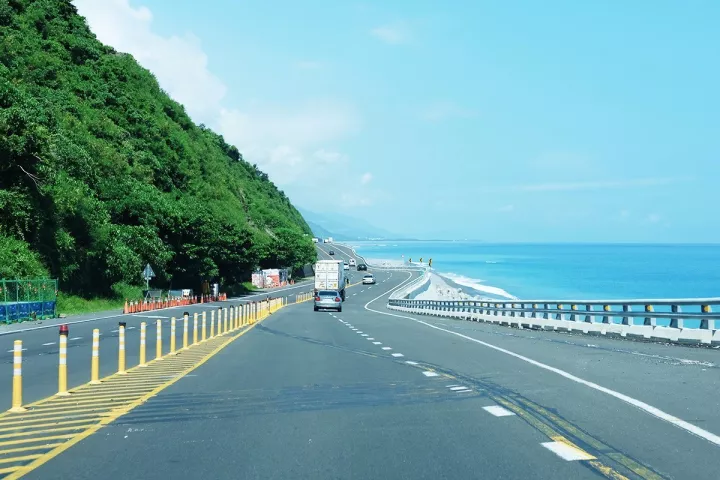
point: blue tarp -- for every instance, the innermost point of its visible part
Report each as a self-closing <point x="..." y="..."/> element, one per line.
<point x="15" y="312"/>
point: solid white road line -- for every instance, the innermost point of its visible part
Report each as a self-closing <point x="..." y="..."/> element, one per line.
<point x="498" y="411"/>
<point x="567" y="452"/>
<point x="654" y="411"/>
<point x="428" y="373"/>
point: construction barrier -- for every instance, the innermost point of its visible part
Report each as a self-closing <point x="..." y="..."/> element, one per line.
<point x="139" y="306"/>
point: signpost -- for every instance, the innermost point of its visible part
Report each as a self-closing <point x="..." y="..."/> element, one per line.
<point x="147" y="275"/>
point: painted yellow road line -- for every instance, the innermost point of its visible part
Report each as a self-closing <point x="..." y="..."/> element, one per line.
<point x="24" y="458"/>
<point x="9" y="470"/>
<point x="46" y="419"/>
<point x="108" y="410"/>
<point x="24" y="426"/>
<point x="44" y="446"/>
<point x="36" y="440"/>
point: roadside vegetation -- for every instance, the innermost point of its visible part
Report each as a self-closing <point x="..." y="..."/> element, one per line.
<point x="101" y="172"/>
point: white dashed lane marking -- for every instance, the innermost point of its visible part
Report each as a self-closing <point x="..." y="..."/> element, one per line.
<point x="387" y="348"/>
<point x="76" y="338"/>
<point x="498" y="411"/>
<point x="428" y="373"/>
<point x="567" y="452"/>
<point x="369" y="338"/>
<point x="364" y="335"/>
<point x="410" y="362"/>
<point x="398" y="355"/>
<point x="47" y="344"/>
<point x="377" y="343"/>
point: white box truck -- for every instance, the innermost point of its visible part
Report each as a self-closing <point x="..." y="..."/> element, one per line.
<point x="330" y="275"/>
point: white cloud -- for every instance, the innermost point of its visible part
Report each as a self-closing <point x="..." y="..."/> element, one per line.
<point x="582" y="186"/>
<point x="285" y="142"/>
<point x="654" y="218"/>
<point x="392" y="34"/>
<point x="444" y="110"/>
<point x="178" y="62"/>
<point x="365" y="179"/>
<point x="348" y="200"/>
<point x="308" y="65"/>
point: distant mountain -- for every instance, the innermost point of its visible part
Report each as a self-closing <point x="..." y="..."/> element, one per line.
<point x="344" y="227"/>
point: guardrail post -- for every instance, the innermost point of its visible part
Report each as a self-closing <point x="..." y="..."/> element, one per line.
<point x="95" y="360"/>
<point x="172" y="336"/>
<point x="626" y="320"/>
<point x="676" y="322"/>
<point x="143" y="337"/>
<point x="590" y="316"/>
<point x="707" y="323"/>
<point x="195" y="328"/>
<point x="17" y="396"/>
<point x="158" y="339"/>
<point x="204" y="326"/>
<point x="186" y="319"/>
<point x="121" y="348"/>
<point x="649" y="320"/>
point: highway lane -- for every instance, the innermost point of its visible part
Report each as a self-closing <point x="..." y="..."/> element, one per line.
<point x="371" y="391"/>
<point x="321" y="401"/>
<point x="365" y="395"/>
<point x="40" y="355"/>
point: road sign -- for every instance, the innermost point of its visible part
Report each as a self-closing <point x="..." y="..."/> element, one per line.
<point x="148" y="272"/>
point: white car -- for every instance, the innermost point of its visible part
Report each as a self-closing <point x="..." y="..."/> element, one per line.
<point x="346" y="267"/>
<point x="369" y="279"/>
<point x="352" y="262"/>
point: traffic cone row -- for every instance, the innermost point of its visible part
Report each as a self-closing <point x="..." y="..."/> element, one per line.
<point x="137" y="306"/>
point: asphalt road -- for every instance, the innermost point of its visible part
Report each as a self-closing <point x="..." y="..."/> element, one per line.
<point x="40" y="345"/>
<point x="370" y="393"/>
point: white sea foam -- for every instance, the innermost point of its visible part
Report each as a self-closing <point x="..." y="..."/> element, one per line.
<point x="445" y="287"/>
<point x="475" y="284"/>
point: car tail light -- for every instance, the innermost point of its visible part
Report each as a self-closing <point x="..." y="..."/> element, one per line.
<point x="317" y="299"/>
<point x="337" y="299"/>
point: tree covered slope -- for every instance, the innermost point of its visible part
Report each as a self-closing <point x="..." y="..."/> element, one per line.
<point x="101" y="171"/>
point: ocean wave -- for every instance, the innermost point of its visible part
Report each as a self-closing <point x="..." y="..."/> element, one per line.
<point x="475" y="284"/>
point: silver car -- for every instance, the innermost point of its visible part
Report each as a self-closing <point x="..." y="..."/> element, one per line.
<point x="328" y="299"/>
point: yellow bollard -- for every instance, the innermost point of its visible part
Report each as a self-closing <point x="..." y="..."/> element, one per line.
<point x="62" y="363"/>
<point x="225" y="320"/>
<point x="185" y="330"/>
<point x="212" y="323"/>
<point x="195" y="328"/>
<point x="172" y="336"/>
<point x="95" y="364"/>
<point x="143" y="338"/>
<point x="17" y="378"/>
<point x="219" y="323"/>
<point x="158" y="339"/>
<point x="236" y="324"/>
<point x="204" y="327"/>
<point x="121" y="349"/>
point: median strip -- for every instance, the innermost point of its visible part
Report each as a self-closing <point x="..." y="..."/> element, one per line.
<point x="31" y="435"/>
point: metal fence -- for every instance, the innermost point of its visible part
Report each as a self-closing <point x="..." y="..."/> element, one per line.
<point x="27" y="300"/>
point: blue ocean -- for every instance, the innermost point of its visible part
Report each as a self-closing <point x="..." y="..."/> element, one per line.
<point x="566" y="271"/>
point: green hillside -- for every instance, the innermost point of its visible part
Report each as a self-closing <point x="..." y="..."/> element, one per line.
<point x="101" y="172"/>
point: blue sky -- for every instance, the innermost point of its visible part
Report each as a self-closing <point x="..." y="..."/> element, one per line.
<point x="499" y="121"/>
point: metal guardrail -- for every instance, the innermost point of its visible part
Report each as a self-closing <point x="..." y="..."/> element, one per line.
<point x="687" y="319"/>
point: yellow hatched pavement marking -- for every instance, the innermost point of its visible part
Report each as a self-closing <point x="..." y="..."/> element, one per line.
<point x="108" y="399"/>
